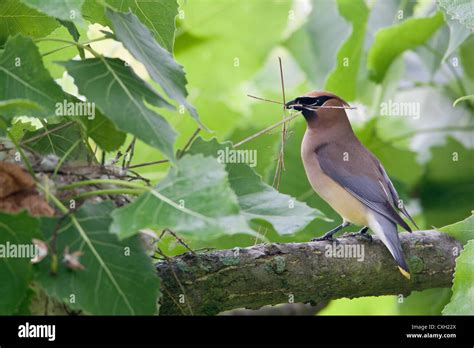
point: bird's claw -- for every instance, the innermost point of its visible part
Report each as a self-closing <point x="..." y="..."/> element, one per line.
<point x="323" y="238"/>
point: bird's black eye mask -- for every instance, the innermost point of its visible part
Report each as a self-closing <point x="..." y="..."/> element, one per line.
<point x="305" y="104"/>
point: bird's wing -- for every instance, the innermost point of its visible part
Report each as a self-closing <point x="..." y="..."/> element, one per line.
<point x="393" y="192"/>
<point x="354" y="169"/>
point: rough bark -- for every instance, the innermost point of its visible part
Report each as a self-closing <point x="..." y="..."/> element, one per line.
<point x="270" y="274"/>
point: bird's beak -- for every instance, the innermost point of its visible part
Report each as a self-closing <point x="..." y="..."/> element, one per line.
<point x="293" y="105"/>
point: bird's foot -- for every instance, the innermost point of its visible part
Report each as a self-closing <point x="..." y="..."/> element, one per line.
<point x="361" y="234"/>
<point x="325" y="238"/>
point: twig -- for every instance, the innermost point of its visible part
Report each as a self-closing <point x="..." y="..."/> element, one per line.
<point x="179" y="154"/>
<point x="148" y="164"/>
<point x="137" y="177"/>
<point x="185" y="148"/>
<point x="126" y="164"/>
<point x="286" y="119"/>
<point x="266" y="100"/>
<point x="117" y="157"/>
<point x="179" y="239"/>
<point x="46" y="132"/>
<point x="305" y="106"/>
<point x="281" y="159"/>
<point x="281" y="154"/>
<point x="266" y="130"/>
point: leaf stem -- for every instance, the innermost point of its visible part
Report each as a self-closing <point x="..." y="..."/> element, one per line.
<point x="121" y="191"/>
<point x="65" y="156"/>
<point x="80" y="45"/>
<point x="148" y="164"/>
<point x="22" y="154"/>
<point x="101" y="181"/>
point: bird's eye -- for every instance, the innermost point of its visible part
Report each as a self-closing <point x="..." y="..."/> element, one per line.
<point x="308" y="101"/>
<point x="312" y="101"/>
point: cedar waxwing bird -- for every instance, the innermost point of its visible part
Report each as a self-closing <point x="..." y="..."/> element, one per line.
<point x="347" y="175"/>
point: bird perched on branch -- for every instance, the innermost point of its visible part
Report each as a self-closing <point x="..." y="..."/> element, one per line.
<point x="347" y="175"/>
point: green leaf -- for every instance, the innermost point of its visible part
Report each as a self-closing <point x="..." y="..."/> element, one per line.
<point x="66" y="141"/>
<point x="433" y="51"/>
<point x="463" y="231"/>
<point x="104" y="133"/>
<point x="159" y="63"/>
<point x="158" y="16"/>
<point x="118" y="279"/>
<point x="461" y="10"/>
<point x="391" y="42"/>
<point x="405" y="169"/>
<point x="315" y="45"/>
<point x="16" y="17"/>
<point x="235" y="54"/>
<point x="426" y="302"/>
<point x="258" y="200"/>
<point x="463" y="286"/>
<point x="51" y="53"/>
<point x="19" y="63"/>
<point x="195" y="199"/>
<point x="120" y="94"/>
<point x="20" y="126"/>
<point x="466" y="97"/>
<point x="18" y="103"/>
<point x="343" y="79"/>
<point x="15" y="272"/>
<point x="447" y="189"/>
<point x="66" y="10"/>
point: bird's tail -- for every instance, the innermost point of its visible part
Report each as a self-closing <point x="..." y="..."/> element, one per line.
<point x="386" y="230"/>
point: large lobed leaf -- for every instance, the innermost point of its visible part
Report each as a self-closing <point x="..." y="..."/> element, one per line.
<point x="158" y="16"/>
<point x="258" y="200"/>
<point x="16" y="17"/>
<point x="104" y="132"/>
<point x="15" y="272"/>
<point x="316" y="43"/>
<point x="66" y="10"/>
<point x="120" y="94"/>
<point x="463" y="231"/>
<point x="118" y="279"/>
<point x="343" y="79"/>
<point x="19" y="62"/>
<point x="160" y="64"/>
<point x="463" y="287"/>
<point x="447" y="190"/>
<point x="195" y="198"/>
<point x="391" y="42"/>
<point x="66" y="142"/>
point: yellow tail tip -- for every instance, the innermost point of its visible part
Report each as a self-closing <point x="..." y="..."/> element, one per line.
<point x="404" y="273"/>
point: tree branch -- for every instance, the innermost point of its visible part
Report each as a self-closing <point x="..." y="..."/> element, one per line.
<point x="268" y="274"/>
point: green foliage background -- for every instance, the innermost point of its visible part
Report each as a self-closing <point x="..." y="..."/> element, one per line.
<point x="192" y="64"/>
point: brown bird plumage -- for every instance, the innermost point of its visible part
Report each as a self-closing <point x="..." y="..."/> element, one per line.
<point x="347" y="175"/>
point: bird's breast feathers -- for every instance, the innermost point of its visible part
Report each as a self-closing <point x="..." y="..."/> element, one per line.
<point x="345" y="204"/>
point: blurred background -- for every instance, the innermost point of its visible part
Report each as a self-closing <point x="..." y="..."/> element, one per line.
<point x="230" y="48"/>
